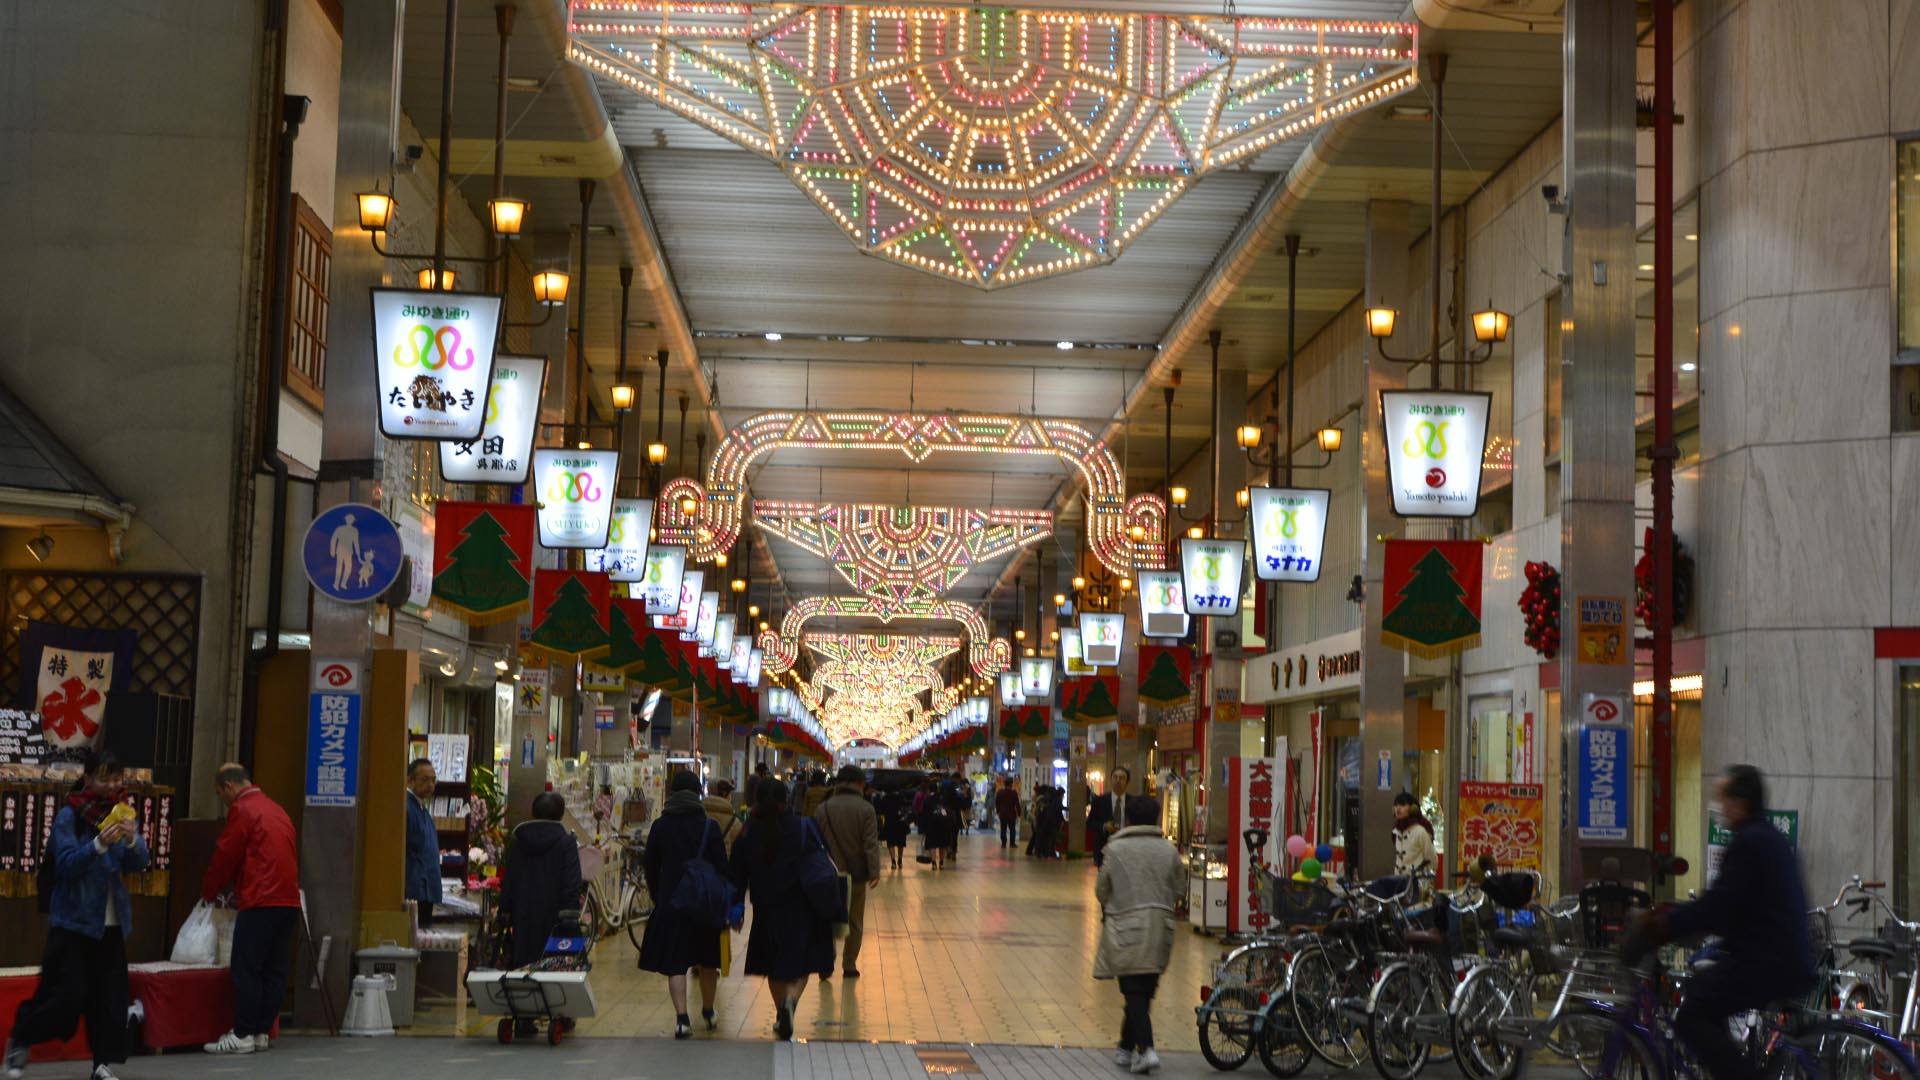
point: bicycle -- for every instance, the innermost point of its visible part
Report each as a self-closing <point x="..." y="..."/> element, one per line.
<point x="1333" y="972"/>
<point x="615" y="891"/>
<point x="1890" y="955"/>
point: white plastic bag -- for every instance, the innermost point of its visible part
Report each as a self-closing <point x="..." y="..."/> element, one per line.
<point x="198" y="943"/>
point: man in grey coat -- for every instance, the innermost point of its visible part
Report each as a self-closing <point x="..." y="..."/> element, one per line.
<point x="1140" y="879"/>
<point x="852" y="830"/>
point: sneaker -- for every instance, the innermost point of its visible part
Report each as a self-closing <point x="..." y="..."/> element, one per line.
<point x="1123" y="1057"/>
<point x="226" y="1044"/>
<point x="262" y="1044"/>
<point x="1145" y="1062"/>
<point x="101" y="1072"/>
<point x="15" y="1062"/>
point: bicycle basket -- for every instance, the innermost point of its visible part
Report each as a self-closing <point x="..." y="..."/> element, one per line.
<point x="1299" y="903"/>
<point x="1513" y="891"/>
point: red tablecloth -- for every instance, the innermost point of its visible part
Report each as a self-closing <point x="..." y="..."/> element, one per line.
<point x="184" y="1006"/>
<point x="18" y="988"/>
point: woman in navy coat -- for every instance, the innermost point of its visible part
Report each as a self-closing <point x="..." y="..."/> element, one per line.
<point x="672" y="944"/>
<point x="788" y="941"/>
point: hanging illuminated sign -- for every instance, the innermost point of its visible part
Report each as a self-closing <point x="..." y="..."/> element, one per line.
<point x="433" y="361"/>
<point x="1289" y="532"/>
<point x="722" y="650"/>
<point x="1163" y="604"/>
<point x="625" y="556"/>
<point x="1011" y="696"/>
<point x="503" y="454"/>
<point x="686" y="609"/>
<point x="779" y="702"/>
<point x="1073" y="660"/>
<point x="1211" y="572"/>
<point x="755" y="658"/>
<point x="1036" y="677"/>
<point x="706" y="623"/>
<point x="1101" y="635"/>
<point x="660" y="585"/>
<point x="1436" y="440"/>
<point x="575" y="489"/>
<point x="742" y="654"/>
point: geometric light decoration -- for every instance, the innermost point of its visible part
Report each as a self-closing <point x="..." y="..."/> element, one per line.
<point x="718" y="506"/>
<point x="869" y="685"/>
<point x="989" y="145"/>
<point x="899" y="553"/>
<point x="986" y="656"/>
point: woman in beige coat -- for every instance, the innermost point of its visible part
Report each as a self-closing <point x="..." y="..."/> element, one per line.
<point x="1140" y="879"/>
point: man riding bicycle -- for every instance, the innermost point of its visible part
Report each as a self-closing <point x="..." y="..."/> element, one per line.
<point x="1757" y="907"/>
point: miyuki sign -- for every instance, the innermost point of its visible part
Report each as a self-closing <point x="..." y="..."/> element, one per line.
<point x="575" y="489"/>
<point x="433" y="361"/>
<point x="1163" y="604"/>
<point x="625" y="556"/>
<point x="1435" y="442"/>
<point x="1289" y="532"/>
<point x="503" y="454"/>
<point x="1211" y="571"/>
<point x="1101" y="635"/>
<point x="661" y="584"/>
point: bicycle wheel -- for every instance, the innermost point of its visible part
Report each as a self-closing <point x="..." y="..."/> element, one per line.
<point x="1319" y="984"/>
<point x="1838" y="1050"/>
<point x="636" y="919"/>
<point x="1403" y="993"/>
<point x="1227" y="1027"/>
<point x="592" y="925"/>
<point x="1604" y="1047"/>
<point x="1489" y="993"/>
<point x="1282" y="1050"/>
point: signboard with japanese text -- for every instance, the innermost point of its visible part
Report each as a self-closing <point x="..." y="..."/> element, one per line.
<point x="600" y="680"/>
<point x="625" y="556"/>
<point x="1603" y="630"/>
<point x="1258" y="795"/>
<point x="1506" y="821"/>
<point x="1011" y="694"/>
<point x="722" y="648"/>
<point x="575" y="489"/>
<point x="333" y="748"/>
<point x="1211" y="574"/>
<point x="530" y="693"/>
<point x="706" y="621"/>
<point x="1163" y="604"/>
<point x="503" y="454"/>
<point x="1606" y="767"/>
<point x="1073" y="659"/>
<point x="433" y="361"/>
<point x="686" y="613"/>
<point x="661" y="585"/>
<point x="1036" y="678"/>
<point x="742" y="656"/>
<point x="1289" y="532"/>
<point x="1102" y="633"/>
<point x="416" y="541"/>
<point x="1719" y="836"/>
<point x="756" y="658"/>
<point x="1435" y="442"/>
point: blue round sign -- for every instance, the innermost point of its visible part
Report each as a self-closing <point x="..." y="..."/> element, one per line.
<point x="352" y="552"/>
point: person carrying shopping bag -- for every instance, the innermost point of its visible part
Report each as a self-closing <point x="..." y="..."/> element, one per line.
<point x="1140" y="880"/>
<point x="83" y="972"/>
<point x="790" y="940"/>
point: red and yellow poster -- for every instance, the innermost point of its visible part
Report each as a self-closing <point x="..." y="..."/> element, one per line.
<point x="1502" y="820"/>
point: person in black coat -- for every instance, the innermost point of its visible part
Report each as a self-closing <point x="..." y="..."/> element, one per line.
<point x="1048" y="816"/>
<point x="541" y="878"/>
<point x="788" y="941"/>
<point x="1757" y="907"/>
<point x="672" y="944"/>
<point x="895" y="824"/>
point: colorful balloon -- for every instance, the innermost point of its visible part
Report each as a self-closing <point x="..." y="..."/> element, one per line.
<point x="1324" y="853"/>
<point x="1311" y="868"/>
<point x="1297" y="846"/>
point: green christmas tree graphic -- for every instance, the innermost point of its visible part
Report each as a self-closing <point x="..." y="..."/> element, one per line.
<point x="655" y="668"/>
<point x="1164" y="686"/>
<point x="627" y="650"/>
<point x="571" y="624"/>
<point x="482" y="573"/>
<point x="1096" y="703"/>
<point x="1035" y="726"/>
<point x="1010" y="725"/>
<point x="1430" y="620"/>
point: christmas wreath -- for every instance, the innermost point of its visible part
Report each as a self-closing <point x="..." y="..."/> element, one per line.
<point x="1643" y="582"/>
<point x="1540" y="605"/>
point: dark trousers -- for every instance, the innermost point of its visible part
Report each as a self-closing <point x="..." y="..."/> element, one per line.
<point x="1009" y="832"/>
<point x="79" y="977"/>
<point x="1715" y="995"/>
<point x="1136" y="1024"/>
<point x="261" y="939"/>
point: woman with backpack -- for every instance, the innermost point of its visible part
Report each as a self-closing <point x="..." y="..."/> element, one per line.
<point x="789" y="941"/>
<point x="678" y="938"/>
<point x="95" y="840"/>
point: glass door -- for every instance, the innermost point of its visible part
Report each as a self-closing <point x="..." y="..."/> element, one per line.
<point x="1906" y="819"/>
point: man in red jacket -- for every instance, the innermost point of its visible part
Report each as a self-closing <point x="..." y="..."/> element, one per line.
<point x="257" y="860"/>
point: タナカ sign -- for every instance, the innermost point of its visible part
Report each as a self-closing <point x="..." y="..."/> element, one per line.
<point x="1435" y="442"/>
<point x="433" y="361"/>
<point x="575" y="489"/>
<point x="503" y="454"/>
<point x="1289" y="532"/>
<point x="1211" y="572"/>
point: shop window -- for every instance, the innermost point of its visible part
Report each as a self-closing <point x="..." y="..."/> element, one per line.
<point x="310" y="267"/>
<point x="1906" y="366"/>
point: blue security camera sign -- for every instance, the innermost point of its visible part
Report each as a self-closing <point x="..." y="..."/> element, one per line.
<point x="352" y="553"/>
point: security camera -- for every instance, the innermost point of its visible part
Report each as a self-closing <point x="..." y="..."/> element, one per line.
<point x="1550" y="192"/>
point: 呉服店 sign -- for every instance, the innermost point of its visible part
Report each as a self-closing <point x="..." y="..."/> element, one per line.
<point x="433" y="361"/>
<point x="1163" y="604"/>
<point x="575" y="489"/>
<point x="660" y="586"/>
<point x="1211" y="572"/>
<point x="503" y="454"/>
<point x="625" y="556"/>
<point x="1436" y="440"/>
<point x="1289" y="532"/>
<point x="1101" y="635"/>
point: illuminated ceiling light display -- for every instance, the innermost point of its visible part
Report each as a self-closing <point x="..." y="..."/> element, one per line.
<point x="715" y="522"/>
<point x="989" y="145"/>
<point x="986" y="656"/>
<point x="900" y="553"/>
<point x="868" y="686"/>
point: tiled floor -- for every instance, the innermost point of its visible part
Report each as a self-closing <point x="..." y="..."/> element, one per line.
<point x="998" y="949"/>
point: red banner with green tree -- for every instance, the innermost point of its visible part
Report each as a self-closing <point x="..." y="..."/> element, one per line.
<point x="1432" y="597"/>
<point x="571" y="612"/>
<point x="482" y="560"/>
<point x="1166" y="675"/>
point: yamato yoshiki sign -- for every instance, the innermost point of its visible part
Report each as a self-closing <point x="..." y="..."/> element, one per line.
<point x="1435" y="441"/>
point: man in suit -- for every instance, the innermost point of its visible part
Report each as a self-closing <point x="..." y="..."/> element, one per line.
<point x="1109" y="811"/>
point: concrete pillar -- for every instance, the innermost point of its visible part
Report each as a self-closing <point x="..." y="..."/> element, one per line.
<point x="1223" y="677"/>
<point x="1597" y="447"/>
<point x="1382" y="670"/>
